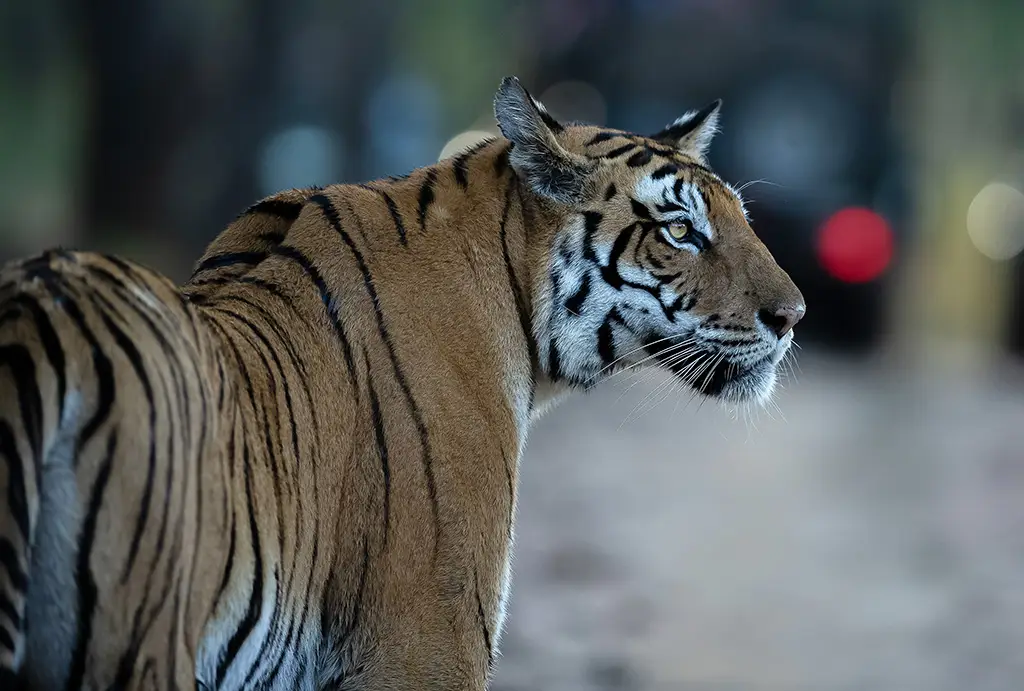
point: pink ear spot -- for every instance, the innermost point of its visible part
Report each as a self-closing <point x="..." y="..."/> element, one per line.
<point x="855" y="245"/>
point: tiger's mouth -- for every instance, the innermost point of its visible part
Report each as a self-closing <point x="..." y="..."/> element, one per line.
<point x="715" y="375"/>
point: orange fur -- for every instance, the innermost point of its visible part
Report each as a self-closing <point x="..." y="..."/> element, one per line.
<point x="314" y="442"/>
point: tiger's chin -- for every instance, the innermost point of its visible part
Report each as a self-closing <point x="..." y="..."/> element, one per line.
<point x="730" y="382"/>
<point x="753" y="384"/>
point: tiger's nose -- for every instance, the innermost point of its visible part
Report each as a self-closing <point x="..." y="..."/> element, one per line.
<point x="781" y="320"/>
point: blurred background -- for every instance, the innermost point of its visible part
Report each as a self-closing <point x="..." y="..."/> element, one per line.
<point x="866" y="532"/>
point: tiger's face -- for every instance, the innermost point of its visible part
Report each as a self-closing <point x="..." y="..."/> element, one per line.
<point x="653" y="261"/>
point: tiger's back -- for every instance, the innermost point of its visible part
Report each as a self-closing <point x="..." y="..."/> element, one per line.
<point x="299" y="426"/>
<point x="299" y="469"/>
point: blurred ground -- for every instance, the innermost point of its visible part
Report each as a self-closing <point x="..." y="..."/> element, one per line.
<point x="874" y="541"/>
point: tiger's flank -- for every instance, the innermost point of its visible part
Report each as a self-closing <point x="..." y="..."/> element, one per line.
<point x="298" y="470"/>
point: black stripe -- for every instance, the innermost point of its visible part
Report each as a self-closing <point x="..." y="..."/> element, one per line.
<point x="382" y="451"/>
<point x="554" y="361"/>
<point x="426" y="196"/>
<point x="396" y="217"/>
<point x="640" y="158"/>
<point x="9" y="560"/>
<point x="591" y="221"/>
<point x="483" y="620"/>
<point x="610" y="272"/>
<point x="272" y="237"/>
<point x="6" y="640"/>
<point x="673" y="133"/>
<point x="682" y="302"/>
<point x="677" y="189"/>
<point x="640" y="210"/>
<point x="731" y="342"/>
<point x="525" y="323"/>
<point x="665" y="171"/>
<point x="574" y="303"/>
<point x="554" y="357"/>
<point x="276" y="207"/>
<point x="8" y="609"/>
<point x="104" y="376"/>
<point x="610" y="192"/>
<point x="550" y="121"/>
<point x="219" y="261"/>
<point x="329" y="303"/>
<point x="501" y="160"/>
<point x="618" y="151"/>
<point x="602" y="137"/>
<point x="252" y="613"/>
<point x="511" y="496"/>
<point x="654" y="262"/>
<point x="51" y="345"/>
<point x="30" y="404"/>
<point x="605" y="340"/>
<point x="460" y="164"/>
<point x="83" y="573"/>
<point x="331" y="214"/>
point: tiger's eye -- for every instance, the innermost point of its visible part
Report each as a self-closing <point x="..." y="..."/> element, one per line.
<point x="679" y="231"/>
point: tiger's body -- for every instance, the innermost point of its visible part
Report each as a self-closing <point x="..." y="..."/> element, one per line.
<point x="298" y="471"/>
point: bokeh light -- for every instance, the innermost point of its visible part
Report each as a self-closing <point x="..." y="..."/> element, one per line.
<point x="575" y="101"/>
<point x="855" y="245"/>
<point x="402" y="119"/>
<point x="297" y="156"/>
<point x="995" y="221"/>
<point x="462" y="141"/>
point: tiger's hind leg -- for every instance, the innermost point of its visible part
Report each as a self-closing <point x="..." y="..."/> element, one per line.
<point x="105" y="414"/>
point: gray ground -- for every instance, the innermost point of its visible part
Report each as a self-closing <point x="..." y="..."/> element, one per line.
<point x="874" y="541"/>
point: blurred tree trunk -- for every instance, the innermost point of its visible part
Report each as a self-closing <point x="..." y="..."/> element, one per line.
<point x="173" y="139"/>
<point x="143" y="100"/>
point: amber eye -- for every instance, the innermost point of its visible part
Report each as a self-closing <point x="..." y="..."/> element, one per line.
<point x="680" y="230"/>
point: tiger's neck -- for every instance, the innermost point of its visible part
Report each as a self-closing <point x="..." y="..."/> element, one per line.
<point x="505" y="235"/>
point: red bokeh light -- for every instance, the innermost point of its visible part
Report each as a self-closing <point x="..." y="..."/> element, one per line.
<point x="855" y="245"/>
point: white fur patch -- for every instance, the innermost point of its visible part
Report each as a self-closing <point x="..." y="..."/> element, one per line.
<point x="53" y="593"/>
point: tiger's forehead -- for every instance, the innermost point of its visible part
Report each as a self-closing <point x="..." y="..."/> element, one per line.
<point x="664" y="174"/>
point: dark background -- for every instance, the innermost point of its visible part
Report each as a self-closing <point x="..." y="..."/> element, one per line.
<point x="863" y="532"/>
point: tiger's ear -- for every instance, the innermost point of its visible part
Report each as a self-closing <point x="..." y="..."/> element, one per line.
<point x="693" y="132"/>
<point x="536" y="154"/>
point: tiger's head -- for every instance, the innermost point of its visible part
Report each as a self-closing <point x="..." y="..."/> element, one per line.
<point x="651" y="258"/>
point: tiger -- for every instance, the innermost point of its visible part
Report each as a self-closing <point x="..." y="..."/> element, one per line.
<point x="298" y="470"/>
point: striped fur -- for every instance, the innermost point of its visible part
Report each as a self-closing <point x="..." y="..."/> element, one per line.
<point x="298" y="470"/>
